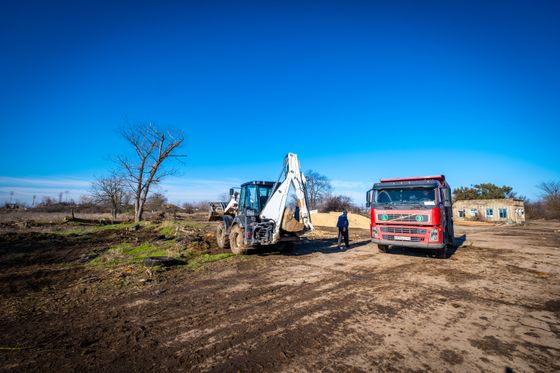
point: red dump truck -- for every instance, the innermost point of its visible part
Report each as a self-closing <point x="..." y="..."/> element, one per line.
<point x="412" y="212"/>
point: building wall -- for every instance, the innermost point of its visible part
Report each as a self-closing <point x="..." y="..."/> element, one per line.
<point x="494" y="210"/>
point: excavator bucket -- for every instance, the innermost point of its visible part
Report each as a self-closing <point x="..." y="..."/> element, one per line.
<point x="290" y="223"/>
<point x="216" y="210"/>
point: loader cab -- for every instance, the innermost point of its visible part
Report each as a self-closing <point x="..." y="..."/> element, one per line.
<point x="253" y="197"/>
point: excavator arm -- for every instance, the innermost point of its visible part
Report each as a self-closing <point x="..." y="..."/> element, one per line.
<point x="275" y="206"/>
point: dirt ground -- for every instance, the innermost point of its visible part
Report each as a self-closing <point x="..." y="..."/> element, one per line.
<point x="495" y="303"/>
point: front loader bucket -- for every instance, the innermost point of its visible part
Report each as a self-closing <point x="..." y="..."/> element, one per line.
<point x="216" y="210"/>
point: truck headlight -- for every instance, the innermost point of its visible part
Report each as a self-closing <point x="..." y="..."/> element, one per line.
<point x="434" y="235"/>
<point x="374" y="233"/>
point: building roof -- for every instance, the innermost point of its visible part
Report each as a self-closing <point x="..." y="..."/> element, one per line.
<point x="490" y="200"/>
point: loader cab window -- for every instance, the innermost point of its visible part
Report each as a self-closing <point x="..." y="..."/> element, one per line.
<point x="251" y="201"/>
<point x="254" y="197"/>
<point x="264" y="193"/>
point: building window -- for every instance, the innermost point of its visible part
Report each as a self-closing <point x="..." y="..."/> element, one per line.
<point x="489" y="213"/>
<point x="503" y="213"/>
<point x="474" y="212"/>
<point x="461" y="213"/>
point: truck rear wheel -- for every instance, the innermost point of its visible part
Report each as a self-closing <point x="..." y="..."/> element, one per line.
<point x="221" y="237"/>
<point x="383" y="248"/>
<point x="237" y="242"/>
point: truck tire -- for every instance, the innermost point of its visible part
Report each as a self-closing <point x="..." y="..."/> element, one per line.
<point x="236" y="241"/>
<point x="383" y="248"/>
<point x="221" y="236"/>
<point x="451" y="231"/>
<point x="442" y="253"/>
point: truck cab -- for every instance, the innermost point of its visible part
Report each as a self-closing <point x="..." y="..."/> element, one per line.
<point x="412" y="212"/>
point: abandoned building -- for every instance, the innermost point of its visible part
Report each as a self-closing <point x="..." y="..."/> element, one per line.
<point x="507" y="210"/>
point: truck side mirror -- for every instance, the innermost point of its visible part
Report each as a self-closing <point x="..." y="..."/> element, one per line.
<point x="368" y="197"/>
<point x="231" y="191"/>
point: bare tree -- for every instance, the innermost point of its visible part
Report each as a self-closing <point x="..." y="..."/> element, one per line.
<point x="338" y="203"/>
<point x="550" y="203"/>
<point x="318" y="187"/>
<point x="110" y="190"/>
<point x="550" y="189"/>
<point x="152" y="146"/>
<point x="156" y="202"/>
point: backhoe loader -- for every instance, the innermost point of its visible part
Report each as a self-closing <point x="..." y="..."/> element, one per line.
<point x="257" y="213"/>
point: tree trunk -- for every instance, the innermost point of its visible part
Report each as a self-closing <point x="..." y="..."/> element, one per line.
<point x="138" y="211"/>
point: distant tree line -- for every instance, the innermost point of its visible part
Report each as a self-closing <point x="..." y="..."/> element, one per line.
<point x="483" y="191"/>
<point x="548" y="205"/>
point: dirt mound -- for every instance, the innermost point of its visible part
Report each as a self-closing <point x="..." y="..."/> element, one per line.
<point x="329" y="219"/>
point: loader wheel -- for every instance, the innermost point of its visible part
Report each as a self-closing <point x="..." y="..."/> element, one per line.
<point x="383" y="248"/>
<point x="236" y="241"/>
<point x="221" y="237"/>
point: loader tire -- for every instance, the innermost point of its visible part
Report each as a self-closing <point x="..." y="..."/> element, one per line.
<point x="221" y="237"/>
<point x="236" y="241"/>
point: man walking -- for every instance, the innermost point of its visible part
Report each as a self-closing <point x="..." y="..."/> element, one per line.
<point x="342" y="226"/>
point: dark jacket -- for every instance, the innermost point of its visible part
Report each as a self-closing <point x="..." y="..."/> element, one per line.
<point x="342" y="222"/>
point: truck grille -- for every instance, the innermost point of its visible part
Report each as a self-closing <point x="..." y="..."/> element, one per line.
<point x="419" y="218"/>
<point x="403" y="230"/>
<point x="412" y="239"/>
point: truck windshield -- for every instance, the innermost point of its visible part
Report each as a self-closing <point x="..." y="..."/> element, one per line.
<point x="405" y="196"/>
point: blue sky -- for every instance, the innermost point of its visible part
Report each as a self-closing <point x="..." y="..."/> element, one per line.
<point x="360" y="90"/>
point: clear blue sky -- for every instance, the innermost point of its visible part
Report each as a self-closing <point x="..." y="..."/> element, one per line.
<point x="360" y="90"/>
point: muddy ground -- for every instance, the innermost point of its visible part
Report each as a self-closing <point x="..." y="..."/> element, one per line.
<point x="495" y="303"/>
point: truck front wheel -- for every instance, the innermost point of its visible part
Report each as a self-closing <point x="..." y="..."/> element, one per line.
<point x="237" y="241"/>
<point x="383" y="248"/>
<point x="442" y="253"/>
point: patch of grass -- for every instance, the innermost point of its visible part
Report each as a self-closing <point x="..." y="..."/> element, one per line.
<point x="193" y="224"/>
<point x="168" y="228"/>
<point x="200" y="260"/>
<point x="125" y="253"/>
<point x="138" y="253"/>
<point x="167" y="231"/>
<point x="95" y="229"/>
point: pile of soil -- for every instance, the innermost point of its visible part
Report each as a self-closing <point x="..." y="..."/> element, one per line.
<point x="329" y="219"/>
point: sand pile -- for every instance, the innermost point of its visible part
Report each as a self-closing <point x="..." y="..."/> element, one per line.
<point x="329" y="219"/>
